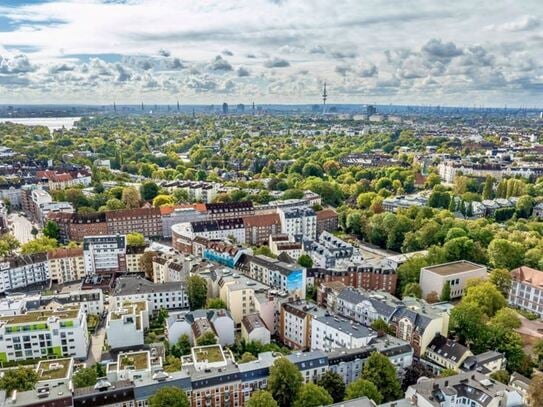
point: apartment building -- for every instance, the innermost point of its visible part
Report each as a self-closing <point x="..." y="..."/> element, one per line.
<point x="295" y="323"/>
<point x="47" y="209"/>
<point x="298" y="222"/>
<point x="125" y="325"/>
<point x="133" y="258"/>
<point x="258" y="228"/>
<point x="445" y="353"/>
<point x="92" y="301"/>
<point x="455" y="274"/>
<point x="61" y="180"/>
<point x="105" y="254"/>
<point x="281" y="243"/>
<point x="196" y="323"/>
<point x="18" y="272"/>
<point x="327" y="221"/>
<point x="526" y="290"/>
<point x="223" y="253"/>
<point x="183" y="234"/>
<point x="329" y="251"/>
<point x="36" y="334"/>
<point x="168" y="269"/>
<point x="172" y="215"/>
<point x="253" y="329"/>
<point x="147" y="221"/>
<point x="76" y="226"/>
<point x="286" y="277"/>
<point x="170" y="296"/>
<point x="66" y="264"/>
<point x="38" y="197"/>
<point x="229" y="210"/>
<point x="365" y="307"/>
<point x="329" y="332"/>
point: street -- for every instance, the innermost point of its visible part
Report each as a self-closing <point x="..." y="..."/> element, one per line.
<point x="21" y="227"/>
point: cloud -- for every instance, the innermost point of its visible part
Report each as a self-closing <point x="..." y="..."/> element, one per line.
<point x="220" y="64"/>
<point x="525" y="23"/>
<point x="15" y="65"/>
<point x="164" y="52"/>
<point x="317" y="49"/>
<point x="368" y="70"/>
<point x="342" y="70"/>
<point x="243" y="72"/>
<point x="227" y="52"/>
<point x="435" y="48"/>
<point x="61" y="68"/>
<point x="276" y="63"/>
<point x="343" y="55"/>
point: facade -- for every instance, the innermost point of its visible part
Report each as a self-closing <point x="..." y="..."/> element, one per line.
<point x="327" y="221"/>
<point x="170" y="296"/>
<point x="365" y="307"/>
<point x="286" y="277"/>
<point x="223" y="253"/>
<point x="105" y="254"/>
<point x="172" y="215"/>
<point x="456" y="274"/>
<point x="183" y="234"/>
<point x="253" y="328"/>
<point x="195" y="323"/>
<point x="76" y="226"/>
<point x="298" y="222"/>
<point x="446" y="353"/>
<point x="92" y="301"/>
<point x="229" y="210"/>
<point x="258" y="228"/>
<point x="22" y="271"/>
<point x="66" y="265"/>
<point x="36" y="334"/>
<point x="125" y="326"/>
<point x="46" y="209"/>
<point x="295" y="323"/>
<point x="147" y="221"/>
<point x="133" y="258"/>
<point x="331" y="332"/>
<point x="526" y="290"/>
<point x="281" y="243"/>
<point x="168" y="269"/>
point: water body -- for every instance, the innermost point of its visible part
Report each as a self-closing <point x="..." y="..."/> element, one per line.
<point x="53" y="123"/>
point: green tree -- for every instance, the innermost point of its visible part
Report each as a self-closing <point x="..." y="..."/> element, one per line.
<point x="131" y="198"/>
<point x="488" y="189"/>
<point x="261" y="398"/>
<point x="42" y="244"/>
<point x="312" y="395"/>
<point x="505" y="254"/>
<point x="135" y="239"/>
<point x="524" y="206"/>
<point x="215" y="303"/>
<point x="380" y="371"/>
<point x="284" y="382"/>
<point x="468" y="322"/>
<point x="163" y="200"/>
<point x="173" y="364"/>
<point x="247" y="357"/>
<point x="207" y="338"/>
<point x="182" y="347"/>
<point x="363" y="388"/>
<point x="149" y="190"/>
<point x="197" y="292"/>
<point x="506" y="318"/>
<point x="169" y="396"/>
<point x="501" y="278"/>
<point x="20" y="379"/>
<point x="486" y="296"/>
<point x="333" y="383"/>
<point x="412" y="290"/>
<point x="447" y="373"/>
<point x="305" y="261"/>
<point x="114" y="204"/>
<point x="85" y="377"/>
<point x="8" y="244"/>
<point x="501" y="376"/>
<point x="312" y="170"/>
<point x="379" y="325"/>
<point x="445" y="292"/>
<point x="51" y="230"/>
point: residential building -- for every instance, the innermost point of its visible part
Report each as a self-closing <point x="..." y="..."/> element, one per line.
<point x="286" y="277"/>
<point x="169" y="268"/>
<point x="366" y="307"/>
<point x="526" y="290"/>
<point x="44" y="210"/>
<point x="253" y="328"/>
<point x="465" y="389"/>
<point x="223" y="253"/>
<point x="66" y="265"/>
<point x="54" y="372"/>
<point x="196" y="323"/>
<point x="125" y="325"/>
<point x="170" y="296"/>
<point x="75" y="226"/>
<point x="330" y="332"/>
<point x="258" y="228"/>
<point x="327" y="221"/>
<point x="229" y="210"/>
<point x="487" y="363"/>
<point x="456" y="274"/>
<point x="285" y="244"/>
<point x="221" y="229"/>
<point x="172" y="215"/>
<point x="295" y="323"/>
<point x="36" y="334"/>
<point x="147" y="221"/>
<point x="91" y="300"/>
<point x="38" y="198"/>
<point x="61" y="180"/>
<point x="444" y="353"/>
<point x="22" y="271"/>
<point x="105" y="254"/>
<point x="298" y="222"/>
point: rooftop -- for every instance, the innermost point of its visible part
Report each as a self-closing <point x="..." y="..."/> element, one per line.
<point x="66" y="312"/>
<point x="54" y="369"/>
<point x="211" y="354"/>
<point x="134" y="361"/>
<point x="455" y="267"/>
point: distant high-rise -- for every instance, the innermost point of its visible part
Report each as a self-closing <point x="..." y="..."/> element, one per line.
<point x="240" y="108"/>
<point x="370" y="110"/>
<point x="253" y="108"/>
<point x="142" y="106"/>
<point x="324" y="97"/>
<point x="178" y="105"/>
<point x="114" y="107"/>
<point x="225" y="108"/>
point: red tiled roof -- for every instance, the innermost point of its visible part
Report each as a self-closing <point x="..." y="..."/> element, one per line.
<point x="262" y="220"/>
<point x="65" y="252"/>
<point x="326" y="214"/>
<point x="125" y="213"/>
<point x="528" y="275"/>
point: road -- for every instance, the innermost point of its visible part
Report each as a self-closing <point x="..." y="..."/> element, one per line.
<point x="21" y="227"/>
<point x="96" y="345"/>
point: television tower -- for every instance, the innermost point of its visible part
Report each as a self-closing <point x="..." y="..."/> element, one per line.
<point x="114" y="107"/>
<point x="324" y="97"/>
<point x="178" y="105"/>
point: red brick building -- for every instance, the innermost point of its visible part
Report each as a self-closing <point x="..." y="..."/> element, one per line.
<point x="258" y="228"/>
<point x="147" y="221"/>
<point x="327" y="220"/>
<point x="366" y="277"/>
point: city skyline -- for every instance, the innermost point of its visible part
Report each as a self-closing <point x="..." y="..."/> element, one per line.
<point x="271" y="51"/>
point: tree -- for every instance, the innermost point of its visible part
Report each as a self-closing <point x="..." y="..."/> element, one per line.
<point x="380" y="326"/>
<point x="42" y="244"/>
<point x="247" y="357"/>
<point x="414" y="372"/>
<point x="468" y="322"/>
<point x="412" y="290"/>
<point x="305" y="261"/>
<point x="131" y="198"/>
<point x="524" y="206"/>
<point x="207" y="338"/>
<point x="538" y="353"/>
<point x="507" y="318"/>
<point x="312" y="395"/>
<point x="446" y="292"/>
<point x="20" y="379"/>
<point x="486" y="296"/>
<point x="432" y="297"/>
<point x="333" y="383"/>
<point x="312" y="170"/>
<point x="261" y="398"/>
<point x="501" y="278"/>
<point x="284" y="382"/>
<point x="361" y="388"/>
<point x="173" y="364"/>
<point x="215" y="303"/>
<point x="161" y="316"/>
<point x="447" y="373"/>
<point x="149" y="190"/>
<point x="85" y="377"/>
<point x="163" y="200"/>
<point x="114" y="204"/>
<point x="197" y="292"/>
<point x="501" y="376"/>
<point x="8" y="244"/>
<point x="135" y="239"/>
<point x="182" y="347"/>
<point x="34" y="231"/>
<point x="488" y="189"/>
<point x="380" y="371"/>
<point x="51" y="230"/>
<point x="534" y="394"/>
<point x="505" y="254"/>
<point x="169" y="396"/>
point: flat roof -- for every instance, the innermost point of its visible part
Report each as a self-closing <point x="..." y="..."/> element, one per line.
<point x="66" y="312"/>
<point x="53" y="369"/>
<point x="137" y="360"/>
<point x="212" y="353"/>
<point x="454" y="267"/>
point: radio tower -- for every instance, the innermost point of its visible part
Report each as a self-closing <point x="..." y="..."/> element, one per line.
<point x="324" y="97"/>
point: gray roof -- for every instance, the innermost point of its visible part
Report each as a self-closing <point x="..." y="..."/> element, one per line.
<point x="448" y="348"/>
<point x="139" y="285"/>
<point x="358" y="402"/>
<point x="352" y="328"/>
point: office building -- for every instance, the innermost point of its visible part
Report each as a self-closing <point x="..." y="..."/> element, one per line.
<point x="455" y="274"/>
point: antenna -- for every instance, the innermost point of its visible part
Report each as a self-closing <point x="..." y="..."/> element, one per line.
<point x="324" y="97"/>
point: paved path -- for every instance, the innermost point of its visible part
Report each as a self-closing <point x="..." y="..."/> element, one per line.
<point x="21" y="227"/>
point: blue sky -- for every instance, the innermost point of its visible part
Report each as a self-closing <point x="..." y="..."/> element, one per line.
<point x="272" y="51"/>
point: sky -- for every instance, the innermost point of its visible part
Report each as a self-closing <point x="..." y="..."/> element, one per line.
<point x="462" y="53"/>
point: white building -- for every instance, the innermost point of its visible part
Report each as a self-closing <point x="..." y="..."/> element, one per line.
<point x="298" y="222"/>
<point x="457" y="273"/>
<point x="45" y="209"/>
<point x="196" y="323"/>
<point x="219" y="229"/>
<point x="105" y="254"/>
<point x="125" y="326"/>
<point x="37" y="334"/>
<point x="170" y="296"/>
<point x="254" y="329"/>
<point x="22" y="271"/>
<point x="527" y="289"/>
<point x="331" y="332"/>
